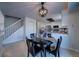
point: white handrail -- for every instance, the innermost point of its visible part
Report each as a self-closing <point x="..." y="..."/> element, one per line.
<point x="12" y="28"/>
<point x="13" y="24"/>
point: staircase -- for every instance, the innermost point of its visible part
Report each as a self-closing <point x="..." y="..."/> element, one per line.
<point x="13" y="28"/>
<point x="8" y="32"/>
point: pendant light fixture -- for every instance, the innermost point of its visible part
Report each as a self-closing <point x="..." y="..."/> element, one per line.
<point x="43" y="11"/>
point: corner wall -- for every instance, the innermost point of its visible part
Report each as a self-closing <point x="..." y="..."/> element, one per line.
<point x="1" y="32"/>
<point x="71" y="41"/>
<point x="30" y="26"/>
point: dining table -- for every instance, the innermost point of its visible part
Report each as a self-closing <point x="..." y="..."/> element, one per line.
<point x="41" y="43"/>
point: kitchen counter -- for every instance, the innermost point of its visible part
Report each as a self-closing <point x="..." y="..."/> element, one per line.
<point x="57" y="35"/>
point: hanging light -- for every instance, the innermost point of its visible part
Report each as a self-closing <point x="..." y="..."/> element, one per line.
<point x="43" y="11"/>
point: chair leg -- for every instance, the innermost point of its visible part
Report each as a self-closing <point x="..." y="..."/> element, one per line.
<point x="58" y="53"/>
<point x="33" y="50"/>
<point x="55" y="54"/>
<point x="44" y="53"/>
<point x="28" y="54"/>
<point x="33" y="53"/>
<point x="41" y="53"/>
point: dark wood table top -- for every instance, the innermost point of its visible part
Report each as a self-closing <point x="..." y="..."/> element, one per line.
<point x="41" y="42"/>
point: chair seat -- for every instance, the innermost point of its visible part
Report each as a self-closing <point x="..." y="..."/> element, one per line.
<point x="56" y="51"/>
<point x="50" y="49"/>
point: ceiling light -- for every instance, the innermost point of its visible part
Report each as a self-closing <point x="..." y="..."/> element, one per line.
<point x="43" y="11"/>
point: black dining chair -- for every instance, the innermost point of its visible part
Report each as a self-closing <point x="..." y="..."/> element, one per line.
<point x="32" y="48"/>
<point x="49" y="35"/>
<point x="32" y="35"/>
<point x="56" y="51"/>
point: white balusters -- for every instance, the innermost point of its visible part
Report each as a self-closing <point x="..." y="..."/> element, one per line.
<point x="12" y="28"/>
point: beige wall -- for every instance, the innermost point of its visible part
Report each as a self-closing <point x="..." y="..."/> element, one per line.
<point x="30" y="26"/>
<point x="1" y="33"/>
<point x="1" y="21"/>
<point x="71" y="41"/>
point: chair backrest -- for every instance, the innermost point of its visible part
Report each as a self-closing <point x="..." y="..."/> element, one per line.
<point x="49" y="35"/>
<point x="32" y="35"/>
<point x="29" y="43"/>
<point x="44" y="35"/>
<point x="58" y="43"/>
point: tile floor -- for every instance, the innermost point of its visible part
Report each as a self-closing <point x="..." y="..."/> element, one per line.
<point x="19" y="49"/>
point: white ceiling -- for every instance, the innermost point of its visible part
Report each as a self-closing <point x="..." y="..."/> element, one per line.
<point x="30" y="9"/>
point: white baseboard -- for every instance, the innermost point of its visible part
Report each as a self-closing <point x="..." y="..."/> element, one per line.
<point x="75" y="50"/>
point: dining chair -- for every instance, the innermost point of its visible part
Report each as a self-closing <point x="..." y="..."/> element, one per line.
<point x="56" y="51"/>
<point x="49" y="35"/>
<point x="32" y="35"/>
<point x="32" y="48"/>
